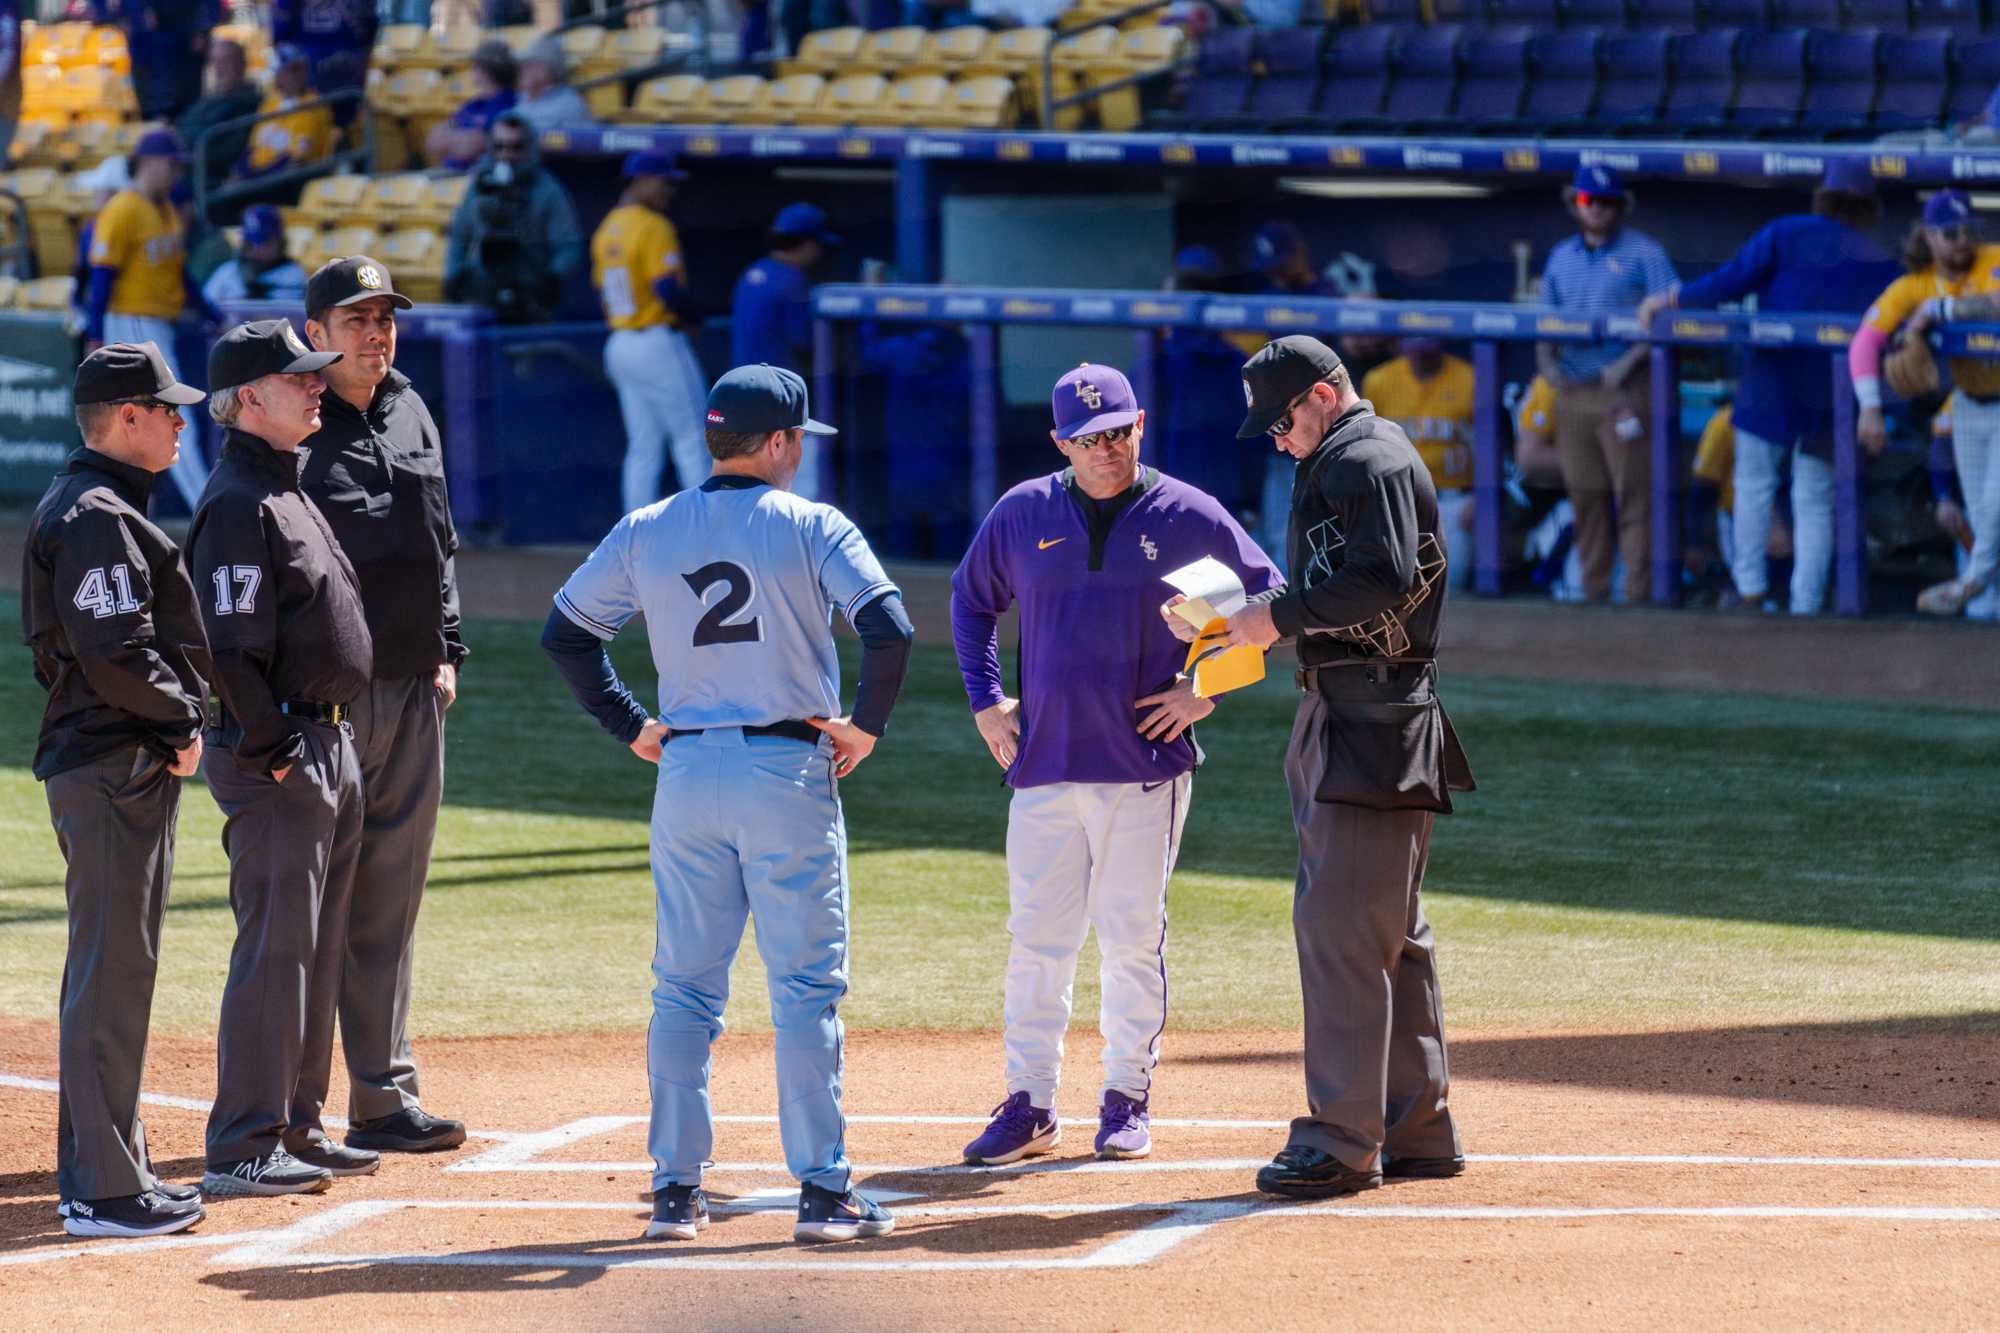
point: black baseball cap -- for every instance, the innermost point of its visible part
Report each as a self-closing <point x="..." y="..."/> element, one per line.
<point x="1282" y="371"/>
<point x="350" y="279"/>
<point x="752" y="400"/>
<point x="130" y="370"/>
<point x="262" y="347"/>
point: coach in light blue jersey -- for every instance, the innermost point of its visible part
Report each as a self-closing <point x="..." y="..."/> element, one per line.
<point x="738" y="579"/>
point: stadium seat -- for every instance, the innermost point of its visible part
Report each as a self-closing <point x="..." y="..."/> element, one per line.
<point x="1608" y="15"/>
<point x="1749" y="15"/>
<point x="846" y="98"/>
<point x="452" y="48"/>
<point x="1078" y="63"/>
<point x="1221" y="87"/>
<point x="1458" y="11"/>
<point x="1632" y="80"/>
<point x="10" y="286"/>
<point x="331" y="201"/>
<point x="106" y="46"/>
<point x="1962" y="18"/>
<point x="1825" y="15"/>
<point x="789" y="96"/>
<point x="1539" y="13"/>
<point x="1404" y="13"/>
<point x="727" y="101"/>
<point x="401" y="44"/>
<point x="1290" y="61"/>
<point x="828" y="52"/>
<point x="1840" y="83"/>
<point x="1703" y="81"/>
<point x="951" y="50"/>
<point x="394" y="197"/>
<point x="302" y="244"/>
<point x="1494" y="79"/>
<point x="1563" y="88"/>
<point x="1915" y="74"/>
<point x="985" y="102"/>
<point x="888" y="50"/>
<point x="914" y="102"/>
<point x="518" y="36"/>
<point x="52" y="294"/>
<point x="1142" y="51"/>
<point x="1423" y="79"/>
<point x="1017" y="53"/>
<point x="350" y="241"/>
<point x="442" y="199"/>
<point x="1354" y="78"/>
<point x="665" y="100"/>
<point x="1672" y="16"/>
<point x="415" y="256"/>
<point x="1880" y="15"/>
<point x="1975" y="73"/>
<point x="637" y="48"/>
<point x="1772" y="83"/>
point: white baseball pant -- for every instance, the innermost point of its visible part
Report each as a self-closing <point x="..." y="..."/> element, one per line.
<point x="190" y="470"/>
<point x="1975" y="449"/>
<point x="1083" y="855"/>
<point x="663" y="401"/>
<point x="1758" y="461"/>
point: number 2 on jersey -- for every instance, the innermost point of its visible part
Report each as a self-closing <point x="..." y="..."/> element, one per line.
<point x="719" y="625"/>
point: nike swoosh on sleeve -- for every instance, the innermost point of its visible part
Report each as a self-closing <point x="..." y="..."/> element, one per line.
<point x="1045" y="545"/>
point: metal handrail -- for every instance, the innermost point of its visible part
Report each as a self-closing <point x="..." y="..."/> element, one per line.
<point x="603" y="17"/>
<point x="364" y="156"/>
<point x="21" y="254"/>
<point x="1052" y="105"/>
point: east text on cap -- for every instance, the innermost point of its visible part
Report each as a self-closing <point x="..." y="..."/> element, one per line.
<point x="754" y="400"/>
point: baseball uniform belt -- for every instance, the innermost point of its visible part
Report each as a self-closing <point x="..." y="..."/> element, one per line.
<point x="798" y="731"/>
<point x="1391" y="671"/>
<point x="313" y="711"/>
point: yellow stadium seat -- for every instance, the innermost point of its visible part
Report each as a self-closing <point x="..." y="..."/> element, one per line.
<point x="332" y="201"/>
<point x="48" y="293"/>
<point x="889" y="50"/>
<point x="828" y="52"/>
<point x="459" y="87"/>
<point x="90" y="142"/>
<point x="65" y="43"/>
<point x="950" y="50"/>
<point x="665" y="100"/>
<point x="401" y="44"/>
<point x="77" y="200"/>
<point x="786" y="99"/>
<point x="30" y="137"/>
<point x="637" y="48"/>
<point x="585" y="43"/>
<point x="452" y="47"/>
<point x="1017" y="53"/>
<point x="1079" y="62"/>
<point x="728" y="101"/>
<point x="406" y="91"/>
<point x="390" y="199"/>
<point x="41" y="87"/>
<point x="415" y="256"/>
<point x="302" y="244"/>
<point x="124" y="135"/>
<point x="1140" y="52"/>
<point x="105" y="46"/>
<point x="343" y="241"/>
<point x="847" y="99"/>
<point x="446" y="192"/>
<point x="518" y="36"/>
<point x="922" y="99"/>
<point x="985" y="102"/>
<point x="10" y="286"/>
<point x="1151" y="48"/>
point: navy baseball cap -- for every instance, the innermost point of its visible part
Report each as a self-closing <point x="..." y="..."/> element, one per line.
<point x="286" y="54"/>
<point x="263" y="347"/>
<point x="348" y="280"/>
<point x="159" y="143"/>
<point x="1198" y="260"/>
<point x="1597" y="179"/>
<point x="130" y="370"/>
<point x="1849" y="175"/>
<point x="754" y="400"/>
<point x="805" y="221"/>
<point x="1092" y="398"/>
<point x="261" y="225"/>
<point x="649" y="163"/>
<point x="1282" y="371"/>
<point x="1274" y="243"/>
<point x="1948" y="208"/>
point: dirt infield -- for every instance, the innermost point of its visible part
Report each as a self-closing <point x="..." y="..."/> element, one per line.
<point x="1813" y="1178"/>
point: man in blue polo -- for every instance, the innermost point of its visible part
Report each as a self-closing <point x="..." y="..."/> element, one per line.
<point x="1097" y="747"/>
<point x="771" y="312"/>
<point x="1601" y="390"/>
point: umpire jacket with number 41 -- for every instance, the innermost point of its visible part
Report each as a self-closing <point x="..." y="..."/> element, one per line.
<point x="279" y="598"/>
<point x="108" y="612"/>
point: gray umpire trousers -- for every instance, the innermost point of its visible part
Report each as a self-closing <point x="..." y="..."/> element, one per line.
<point x="292" y="846"/>
<point x="399" y="737"/>
<point x="1376" y="1073"/>
<point x="114" y="821"/>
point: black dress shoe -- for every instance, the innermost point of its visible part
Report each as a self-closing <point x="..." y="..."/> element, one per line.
<point x="408" y="1130"/>
<point x="330" y="1156"/>
<point x="1422" y="1168"/>
<point x="1299" y="1172"/>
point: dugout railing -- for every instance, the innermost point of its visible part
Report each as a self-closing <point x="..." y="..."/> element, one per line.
<point x="982" y="312"/>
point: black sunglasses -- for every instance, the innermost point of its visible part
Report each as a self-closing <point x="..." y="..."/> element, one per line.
<point x="147" y="403"/>
<point x="1282" y="427"/>
<point x="1103" y="437"/>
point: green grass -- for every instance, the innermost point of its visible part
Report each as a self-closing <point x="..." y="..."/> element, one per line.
<point x="1635" y="858"/>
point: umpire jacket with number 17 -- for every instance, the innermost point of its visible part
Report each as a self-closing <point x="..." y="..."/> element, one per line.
<point x="108" y="612"/>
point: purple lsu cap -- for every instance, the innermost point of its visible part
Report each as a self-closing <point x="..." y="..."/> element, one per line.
<point x="159" y="143"/>
<point x="1948" y="208"/>
<point x="1092" y="398"/>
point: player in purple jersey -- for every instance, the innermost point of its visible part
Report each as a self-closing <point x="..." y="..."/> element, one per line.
<point x="1097" y="748"/>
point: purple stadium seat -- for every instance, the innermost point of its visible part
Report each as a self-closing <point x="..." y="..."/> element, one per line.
<point x="1290" y="57"/>
<point x="1632" y="79"/>
<point x="1609" y="15"/>
<point x="1840" y="82"/>
<point x="1959" y="17"/>
<point x="1975" y="72"/>
<point x="1773" y="80"/>
<point x="1674" y="15"/>
<point x="1425" y="82"/>
<point x="1459" y="11"/>
<point x="1826" y="14"/>
<point x="1493" y="78"/>
<point x="1536" y="13"/>
<point x="1564" y="86"/>
<point x="1880" y="15"/>
<point x="1915" y="72"/>
<point x="1404" y="12"/>
<point x="1746" y="14"/>
<point x="1222" y="83"/>
<point x="1356" y="74"/>
<point x="1704" y="80"/>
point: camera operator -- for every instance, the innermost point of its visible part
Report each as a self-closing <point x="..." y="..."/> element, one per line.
<point x="514" y="239"/>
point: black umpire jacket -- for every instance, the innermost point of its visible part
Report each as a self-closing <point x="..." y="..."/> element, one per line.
<point x="1365" y="603"/>
<point x="107" y="608"/>
<point x="378" y="476"/>
<point x="280" y="601"/>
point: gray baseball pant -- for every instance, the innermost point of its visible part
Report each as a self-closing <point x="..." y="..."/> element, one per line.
<point x="292" y="848"/>
<point x="1376" y="1070"/>
<point x="114" y="821"/>
<point x="399" y="737"/>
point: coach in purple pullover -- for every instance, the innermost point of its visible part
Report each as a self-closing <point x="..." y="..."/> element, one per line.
<point x="1097" y="747"/>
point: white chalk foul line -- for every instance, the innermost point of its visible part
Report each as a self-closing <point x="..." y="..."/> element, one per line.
<point x="26" y="1084"/>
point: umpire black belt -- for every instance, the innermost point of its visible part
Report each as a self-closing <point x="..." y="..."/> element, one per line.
<point x="797" y="731"/>
<point x="313" y="711"/>
<point x="1378" y="671"/>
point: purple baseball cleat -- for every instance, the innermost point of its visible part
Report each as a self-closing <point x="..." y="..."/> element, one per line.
<point x="1124" y="1127"/>
<point x="1019" y="1129"/>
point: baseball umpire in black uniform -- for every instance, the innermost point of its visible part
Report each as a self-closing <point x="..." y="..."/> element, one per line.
<point x="292" y="653"/>
<point x="376" y="470"/>
<point x="1372" y="759"/>
<point x="109" y="613"/>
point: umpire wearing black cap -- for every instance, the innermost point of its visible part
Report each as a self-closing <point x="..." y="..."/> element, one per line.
<point x="291" y="652"/>
<point x="110" y="615"/>
<point x="375" y="468"/>
<point x="1372" y="759"/>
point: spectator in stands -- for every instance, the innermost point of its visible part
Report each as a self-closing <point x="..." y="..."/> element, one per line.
<point x="1950" y="510"/>
<point x="547" y="102"/>
<point x="1195" y="402"/>
<point x="771" y="312"/>
<point x="227" y="94"/>
<point x="1428" y="392"/>
<point x="337" y="37"/>
<point x="458" y="142"/>
<point x="1952" y="276"/>
<point x="261" y="270"/>
<point x="168" y="42"/>
<point x="514" y="240"/>
<point x="297" y="134"/>
<point x="1602" y="396"/>
<point x="1808" y="262"/>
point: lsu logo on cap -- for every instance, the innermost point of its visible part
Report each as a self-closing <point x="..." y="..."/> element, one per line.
<point x="368" y="276"/>
<point x="292" y="339"/>
<point x="716" y="418"/>
<point x="1087" y="391"/>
